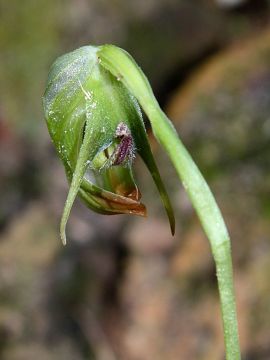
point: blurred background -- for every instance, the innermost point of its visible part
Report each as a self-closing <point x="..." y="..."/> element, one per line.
<point x="123" y="288"/>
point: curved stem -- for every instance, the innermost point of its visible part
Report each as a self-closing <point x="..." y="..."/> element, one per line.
<point x="121" y="65"/>
<point x="213" y="224"/>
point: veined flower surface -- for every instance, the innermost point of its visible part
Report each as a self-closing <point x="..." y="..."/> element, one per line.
<point x="97" y="128"/>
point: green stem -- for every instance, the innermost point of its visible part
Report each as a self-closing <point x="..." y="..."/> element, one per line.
<point x="213" y="224"/>
<point x="120" y="64"/>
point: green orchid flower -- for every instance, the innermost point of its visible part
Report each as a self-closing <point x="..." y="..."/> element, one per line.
<point x="97" y="128"/>
<point x="92" y="104"/>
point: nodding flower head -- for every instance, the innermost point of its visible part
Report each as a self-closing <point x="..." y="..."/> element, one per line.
<point x="96" y="125"/>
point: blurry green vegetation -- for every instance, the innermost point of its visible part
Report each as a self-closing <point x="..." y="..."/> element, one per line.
<point x="29" y="37"/>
